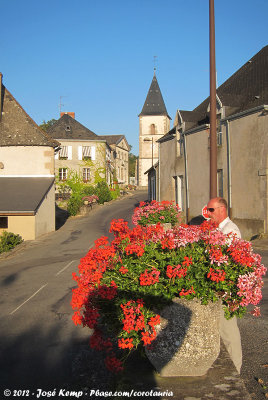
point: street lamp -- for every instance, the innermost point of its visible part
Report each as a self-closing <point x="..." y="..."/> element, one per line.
<point x="151" y="140"/>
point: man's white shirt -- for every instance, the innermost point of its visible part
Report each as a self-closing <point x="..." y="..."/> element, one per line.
<point x="227" y="226"/>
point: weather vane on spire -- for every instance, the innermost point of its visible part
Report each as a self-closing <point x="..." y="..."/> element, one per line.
<point x="155" y="57"/>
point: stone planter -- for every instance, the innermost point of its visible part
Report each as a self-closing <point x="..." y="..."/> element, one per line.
<point x="188" y="339"/>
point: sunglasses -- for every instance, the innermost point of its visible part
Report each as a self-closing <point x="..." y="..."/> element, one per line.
<point x="211" y="209"/>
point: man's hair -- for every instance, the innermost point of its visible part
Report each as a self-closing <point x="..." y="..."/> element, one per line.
<point x="222" y="201"/>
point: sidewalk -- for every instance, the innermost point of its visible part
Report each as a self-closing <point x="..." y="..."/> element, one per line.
<point x="221" y="382"/>
<point x="139" y="378"/>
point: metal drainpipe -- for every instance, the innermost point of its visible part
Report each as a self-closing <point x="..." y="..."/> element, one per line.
<point x="186" y="178"/>
<point x="229" y="170"/>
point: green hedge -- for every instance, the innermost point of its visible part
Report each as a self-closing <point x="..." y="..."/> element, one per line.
<point x="74" y="203"/>
<point x="103" y="192"/>
<point x="8" y="241"/>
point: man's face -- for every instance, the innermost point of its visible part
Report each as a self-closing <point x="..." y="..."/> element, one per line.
<point x="216" y="211"/>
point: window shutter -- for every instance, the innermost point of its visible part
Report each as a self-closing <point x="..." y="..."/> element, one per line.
<point x="69" y="152"/>
<point x="93" y="152"/>
<point x="80" y="154"/>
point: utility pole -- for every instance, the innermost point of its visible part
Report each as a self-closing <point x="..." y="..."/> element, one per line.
<point x="213" y="133"/>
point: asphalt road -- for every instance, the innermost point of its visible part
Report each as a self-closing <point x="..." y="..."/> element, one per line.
<point x="38" y="340"/>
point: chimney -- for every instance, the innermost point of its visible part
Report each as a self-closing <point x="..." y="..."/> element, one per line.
<point x="72" y="114"/>
<point x="1" y="94"/>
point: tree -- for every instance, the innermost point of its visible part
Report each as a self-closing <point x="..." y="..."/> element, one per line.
<point x="46" y="125"/>
<point x="132" y="164"/>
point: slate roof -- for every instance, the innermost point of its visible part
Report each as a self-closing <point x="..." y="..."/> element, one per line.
<point x="67" y="127"/>
<point x="154" y="103"/>
<point x="168" y="136"/>
<point x="246" y="88"/>
<point x="190" y="116"/>
<point x="17" y="128"/>
<point x="22" y="195"/>
<point x="113" y="139"/>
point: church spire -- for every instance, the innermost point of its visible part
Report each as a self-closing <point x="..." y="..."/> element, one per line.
<point x="154" y="103"/>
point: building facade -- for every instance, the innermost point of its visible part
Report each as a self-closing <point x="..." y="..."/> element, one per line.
<point x="27" y="201"/>
<point x="120" y="157"/>
<point x="242" y="143"/>
<point x="154" y="122"/>
<point x="82" y="152"/>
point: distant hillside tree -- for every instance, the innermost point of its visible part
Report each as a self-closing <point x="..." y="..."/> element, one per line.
<point x="132" y="164"/>
<point x="45" y="125"/>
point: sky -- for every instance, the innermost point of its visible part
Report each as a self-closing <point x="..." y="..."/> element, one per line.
<point x="97" y="57"/>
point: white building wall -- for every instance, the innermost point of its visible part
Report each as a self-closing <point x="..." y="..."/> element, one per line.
<point x="27" y="160"/>
<point x="148" y="149"/>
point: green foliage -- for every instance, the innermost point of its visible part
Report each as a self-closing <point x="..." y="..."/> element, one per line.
<point x="103" y="192"/>
<point x="46" y="125"/>
<point x="8" y="241"/>
<point x="88" y="190"/>
<point x="132" y="164"/>
<point x="115" y="193"/>
<point x="74" y="183"/>
<point x="74" y="203"/>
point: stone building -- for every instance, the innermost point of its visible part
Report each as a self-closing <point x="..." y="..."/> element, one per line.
<point x="82" y="151"/>
<point x="27" y="201"/>
<point x="120" y="151"/>
<point x="154" y="123"/>
<point x="242" y="143"/>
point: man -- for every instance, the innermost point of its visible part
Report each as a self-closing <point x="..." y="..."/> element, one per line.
<point x="229" y="331"/>
<point x="217" y="212"/>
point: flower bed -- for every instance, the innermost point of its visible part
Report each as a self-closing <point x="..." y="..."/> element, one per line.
<point x="121" y="284"/>
<point x="90" y="199"/>
<point x="154" y="212"/>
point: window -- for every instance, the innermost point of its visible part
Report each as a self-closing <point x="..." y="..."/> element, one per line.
<point x="62" y="174"/>
<point x="4" y="222"/>
<point x="153" y="130"/>
<point x="180" y="144"/>
<point x="86" y="152"/>
<point x="86" y="174"/>
<point x="63" y="154"/>
<point x="179" y="191"/>
<point x="220" y="183"/>
<point x="219" y="138"/>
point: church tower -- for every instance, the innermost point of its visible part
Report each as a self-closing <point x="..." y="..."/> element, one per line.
<point x="154" y="123"/>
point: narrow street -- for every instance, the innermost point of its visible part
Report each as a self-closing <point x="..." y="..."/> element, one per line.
<point x="38" y="338"/>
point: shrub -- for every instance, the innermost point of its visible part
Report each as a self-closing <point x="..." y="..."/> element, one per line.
<point x="88" y="190"/>
<point x="103" y="192"/>
<point x="115" y="193"/>
<point x="74" y="203"/>
<point x="8" y="241"/>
